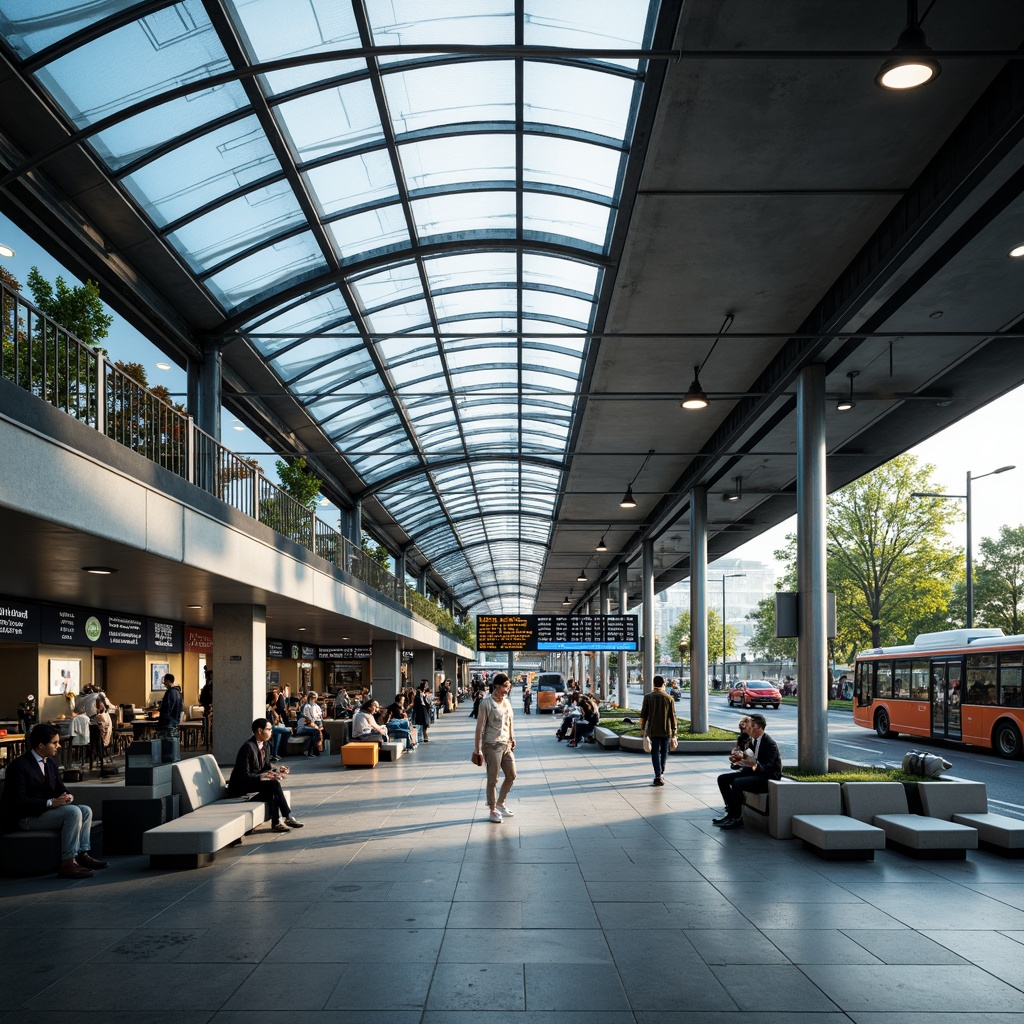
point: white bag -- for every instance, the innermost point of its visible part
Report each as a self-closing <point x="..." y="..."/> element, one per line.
<point x="647" y="744"/>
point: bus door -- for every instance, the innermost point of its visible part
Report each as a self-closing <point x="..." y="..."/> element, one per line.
<point x="945" y="699"/>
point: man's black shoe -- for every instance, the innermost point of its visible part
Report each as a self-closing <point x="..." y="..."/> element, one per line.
<point x="720" y="821"/>
<point x="731" y="823"/>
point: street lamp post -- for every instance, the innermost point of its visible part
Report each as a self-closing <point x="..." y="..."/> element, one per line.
<point x="966" y="498"/>
<point x="730" y="576"/>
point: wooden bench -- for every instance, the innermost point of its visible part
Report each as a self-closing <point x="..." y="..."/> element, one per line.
<point x="884" y="805"/>
<point x="210" y="820"/>
<point x="966" y="803"/>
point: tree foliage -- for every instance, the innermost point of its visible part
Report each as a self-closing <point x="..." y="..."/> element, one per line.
<point x="77" y="309"/>
<point x="764" y="644"/>
<point x="999" y="581"/>
<point x="681" y="631"/>
<point x="298" y="481"/>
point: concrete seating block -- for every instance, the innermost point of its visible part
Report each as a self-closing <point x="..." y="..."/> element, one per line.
<point x="198" y="781"/>
<point x="836" y="836"/>
<point x="360" y="755"/>
<point x="339" y="731"/>
<point x="966" y="803"/>
<point x="606" y="738"/>
<point x="884" y="804"/>
<point x="193" y="840"/>
<point x="631" y="743"/>
<point x="774" y="810"/>
<point x="391" y="751"/>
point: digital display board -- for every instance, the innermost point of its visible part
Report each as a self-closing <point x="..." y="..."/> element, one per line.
<point x="557" y="633"/>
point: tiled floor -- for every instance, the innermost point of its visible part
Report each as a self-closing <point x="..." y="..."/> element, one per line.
<point x="604" y="900"/>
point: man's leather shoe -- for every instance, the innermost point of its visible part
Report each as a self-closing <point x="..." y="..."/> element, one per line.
<point x="71" y="869"/>
<point x="720" y="821"/>
<point x="87" y="861"/>
<point x="731" y="823"/>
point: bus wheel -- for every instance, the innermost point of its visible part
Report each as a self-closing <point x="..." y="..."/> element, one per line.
<point x="1006" y="740"/>
<point x="882" y="725"/>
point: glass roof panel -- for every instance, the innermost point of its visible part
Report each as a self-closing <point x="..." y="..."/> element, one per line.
<point x="318" y="353"/>
<point x="331" y="121"/>
<point x="436" y="163"/>
<point x="258" y="216"/>
<point x="463" y="213"/>
<point x="203" y="170"/>
<point x="553" y="217"/>
<point x="170" y="47"/>
<point x="131" y="140"/>
<point x="269" y="267"/>
<point x="584" y="99"/>
<point x="562" y="307"/>
<point x="481" y="91"/>
<point x="370" y="231"/>
<point x="28" y="32"/>
<point x="412" y="23"/>
<point x="353" y="181"/>
<point x="598" y="24"/>
<point x="318" y="312"/>
<point x="576" y="165"/>
<point x="406" y="316"/>
<point x="559" y="273"/>
<point x="476" y="301"/>
<point x="396" y="282"/>
<point x="472" y="268"/>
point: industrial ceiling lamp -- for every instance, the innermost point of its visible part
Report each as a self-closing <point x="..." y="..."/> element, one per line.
<point x="628" y="501"/>
<point x="847" y="403"/>
<point x="6" y="251"/>
<point x="582" y="578"/>
<point x="912" y="63"/>
<point x="738" y="493"/>
<point x="695" y="398"/>
<point x="601" y="546"/>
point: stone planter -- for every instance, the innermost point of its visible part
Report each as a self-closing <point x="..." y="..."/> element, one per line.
<point x="636" y="743"/>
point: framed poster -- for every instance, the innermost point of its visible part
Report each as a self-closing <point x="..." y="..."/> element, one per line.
<point x="65" y="677"/>
<point x="157" y="671"/>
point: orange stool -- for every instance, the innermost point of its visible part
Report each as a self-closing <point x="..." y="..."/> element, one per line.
<point x="360" y="755"/>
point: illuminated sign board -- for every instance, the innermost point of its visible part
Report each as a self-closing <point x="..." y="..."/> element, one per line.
<point x="557" y="633"/>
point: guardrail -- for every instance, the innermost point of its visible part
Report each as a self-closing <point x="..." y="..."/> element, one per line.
<point x="41" y="357"/>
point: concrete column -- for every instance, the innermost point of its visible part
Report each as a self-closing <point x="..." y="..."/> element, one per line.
<point x="812" y="613"/>
<point x="623" y="695"/>
<point x="699" y="609"/>
<point x="421" y="583"/>
<point x="357" y="524"/>
<point x="386" y="670"/>
<point x="239" y="674"/>
<point x="450" y="664"/>
<point x="649" y="616"/>
<point x="605" y="608"/>
<point x="210" y="390"/>
<point x="422" y="668"/>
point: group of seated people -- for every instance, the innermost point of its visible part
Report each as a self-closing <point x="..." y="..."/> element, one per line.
<point x="309" y="723"/>
<point x="580" y="719"/>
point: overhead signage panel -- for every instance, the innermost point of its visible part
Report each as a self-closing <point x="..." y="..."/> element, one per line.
<point x="557" y="633"/>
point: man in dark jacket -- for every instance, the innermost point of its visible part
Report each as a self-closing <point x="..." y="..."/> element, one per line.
<point x="759" y="763"/>
<point x="34" y="799"/>
<point x="171" y="708"/>
<point x="252" y="774"/>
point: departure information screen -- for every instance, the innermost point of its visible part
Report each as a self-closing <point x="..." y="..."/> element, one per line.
<point x="556" y="633"/>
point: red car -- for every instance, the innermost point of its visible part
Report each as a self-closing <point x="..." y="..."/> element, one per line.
<point x="753" y="692"/>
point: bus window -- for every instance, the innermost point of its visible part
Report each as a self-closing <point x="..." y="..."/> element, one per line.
<point x="864" y="692"/>
<point x="883" y="680"/>
<point x="981" y="678"/>
<point x="1010" y="680"/>
<point x="901" y="684"/>
<point x="919" y="680"/>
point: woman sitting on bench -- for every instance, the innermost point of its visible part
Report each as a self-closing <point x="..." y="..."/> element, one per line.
<point x="585" y="725"/>
<point x="364" y="726"/>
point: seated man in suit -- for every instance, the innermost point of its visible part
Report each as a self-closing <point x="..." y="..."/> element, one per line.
<point x="760" y="762"/>
<point x="252" y="774"/>
<point x="34" y="799"/>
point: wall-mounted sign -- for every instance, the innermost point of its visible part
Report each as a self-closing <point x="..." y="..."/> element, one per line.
<point x="85" y="627"/>
<point x="19" y="620"/>
<point x="557" y="633"/>
<point x="275" y="649"/>
<point x="200" y="640"/>
<point x="344" y="653"/>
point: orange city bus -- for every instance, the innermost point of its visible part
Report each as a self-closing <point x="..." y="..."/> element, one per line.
<point x="962" y="685"/>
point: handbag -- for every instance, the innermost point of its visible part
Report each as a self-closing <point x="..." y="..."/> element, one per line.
<point x="647" y="744"/>
<point x="673" y="743"/>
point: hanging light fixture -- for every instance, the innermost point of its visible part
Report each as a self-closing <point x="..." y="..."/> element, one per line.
<point x="601" y="546"/>
<point x="695" y="397"/>
<point x="738" y="493"/>
<point x="582" y="578"/>
<point x="628" y="501"/>
<point x="565" y="600"/>
<point x="912" y="63"/>
<point x="7" y="251"/>
<point x="847" y="403"/>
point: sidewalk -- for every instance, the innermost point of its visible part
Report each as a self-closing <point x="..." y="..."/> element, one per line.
<point x="603" y="900"/>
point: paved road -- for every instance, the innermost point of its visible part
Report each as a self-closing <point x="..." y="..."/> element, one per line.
<point x="1003" y="779"/>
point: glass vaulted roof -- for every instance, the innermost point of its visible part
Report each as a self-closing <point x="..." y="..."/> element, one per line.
<point x="407" y="207"/>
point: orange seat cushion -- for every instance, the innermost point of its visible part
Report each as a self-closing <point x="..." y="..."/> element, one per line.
<point x="360" y="755"/>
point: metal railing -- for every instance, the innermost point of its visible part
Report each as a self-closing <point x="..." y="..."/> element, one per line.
<point x="41" y="357"/>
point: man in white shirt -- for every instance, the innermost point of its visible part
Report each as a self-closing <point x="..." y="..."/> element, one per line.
<point x="494" y="745"/>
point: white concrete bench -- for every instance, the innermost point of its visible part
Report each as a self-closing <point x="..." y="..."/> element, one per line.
<point x="966" y="803"/>
<point x="606" y="738"/>
<point x="837" y="836"/>
<point x="884" y="805"/>
<point x="209" y="821"/>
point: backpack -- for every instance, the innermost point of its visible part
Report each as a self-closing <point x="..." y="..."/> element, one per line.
<point x="929" y="765"/>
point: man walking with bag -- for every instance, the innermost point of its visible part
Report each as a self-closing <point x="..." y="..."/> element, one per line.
<point x="659" y="725"/>
<point x="494" y="745"/>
